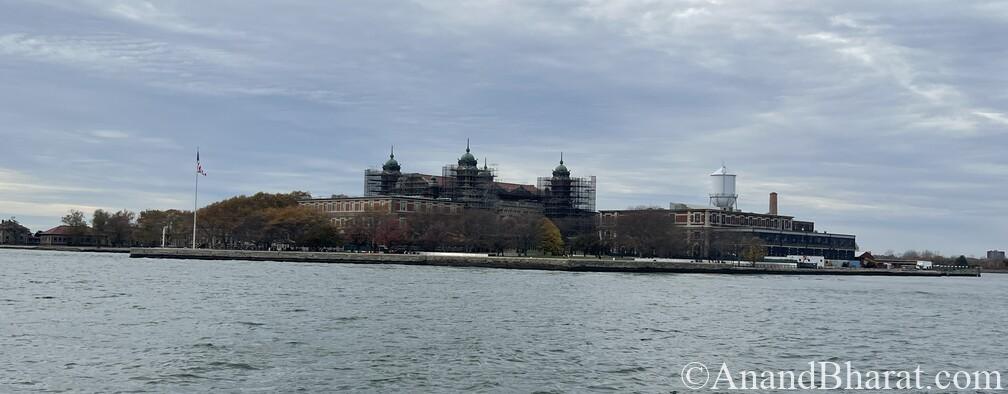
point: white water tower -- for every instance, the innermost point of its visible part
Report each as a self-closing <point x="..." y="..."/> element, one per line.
<point x="723" y="184"/>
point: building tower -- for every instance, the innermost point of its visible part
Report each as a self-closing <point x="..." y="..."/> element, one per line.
<point x="468" y="183"/>
<point x="723" y="185"/>
<point x="390" y="174"/>
<point x="558" y="202"/>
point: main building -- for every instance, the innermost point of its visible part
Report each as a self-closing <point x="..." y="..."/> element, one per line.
<point x="466" y="185"/>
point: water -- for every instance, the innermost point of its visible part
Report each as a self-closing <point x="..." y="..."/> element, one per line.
<point x="98" y="322"/>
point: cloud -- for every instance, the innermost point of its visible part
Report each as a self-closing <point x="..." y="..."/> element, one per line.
<point x="14" y="181"/>
<point x="995" y="117"/>
<point x="145" y="12"/>
<point x="866" y="118"/>
<point x="110" y="134"/>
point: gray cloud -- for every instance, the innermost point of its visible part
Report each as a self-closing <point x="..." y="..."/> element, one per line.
<point x="865" y="116"/>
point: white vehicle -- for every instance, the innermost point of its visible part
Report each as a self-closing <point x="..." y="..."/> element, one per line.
<point x="809" y="261"/>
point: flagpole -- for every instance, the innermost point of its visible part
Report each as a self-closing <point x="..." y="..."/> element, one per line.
<point x="195" y="202"/>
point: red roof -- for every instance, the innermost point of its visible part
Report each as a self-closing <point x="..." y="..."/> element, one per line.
<point x="513" y="187"/>
<point x="60" y="230"/>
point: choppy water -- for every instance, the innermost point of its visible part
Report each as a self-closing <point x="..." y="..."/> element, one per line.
<point x="96" y="322"/>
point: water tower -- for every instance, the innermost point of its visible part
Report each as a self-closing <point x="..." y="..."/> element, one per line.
<point x="723" y="195"/>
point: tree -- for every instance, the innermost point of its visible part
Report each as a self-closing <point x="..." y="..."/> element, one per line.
<point x="649" y="233"/>
<point x="242" y="221"/>
<point x="362" y="229"/>
<point x="99" y="221"/>
<point x="588" y="244"/>
<point x="431" y="231"/>
<point x="390" y="232"/>
<point x="293" y="225"/>
<point x="120" y="227"/>
<point x="523" y="232"/>
<point x="150" y="224"/>
<point x="961" y="261"/>
<point x="754" y="250"/>
<point x="725" y="245"/>
<point x="550" y="239"/>
<point x="75" y="218"/>
<point x="478" y="229"/>
<point x="321" y="235"/>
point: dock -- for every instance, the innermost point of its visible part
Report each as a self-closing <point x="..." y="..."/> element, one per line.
<point x="525" y="263"/>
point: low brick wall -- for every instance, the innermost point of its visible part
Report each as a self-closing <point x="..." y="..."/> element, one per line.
<point x="553" y="264"/>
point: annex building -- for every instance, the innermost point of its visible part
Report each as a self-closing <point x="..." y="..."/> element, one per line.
<point x="704" y="225"/>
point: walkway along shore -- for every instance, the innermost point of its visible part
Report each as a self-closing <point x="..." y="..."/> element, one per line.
<point x="552" y="264"/>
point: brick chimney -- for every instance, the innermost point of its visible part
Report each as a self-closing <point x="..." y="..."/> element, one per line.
<point x="773" y="203"/>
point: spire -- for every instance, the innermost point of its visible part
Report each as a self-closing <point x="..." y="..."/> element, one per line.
<point x="485" y="163"/>
<point x="391" y="165"/>
<point x="468" y="160"/>
<point x="561" y="170"/>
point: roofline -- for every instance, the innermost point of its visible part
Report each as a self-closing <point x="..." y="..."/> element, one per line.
<point x="387" y="196"/>
<point x="770" y="230"/>
<point x="715" y="209"/>
<point x="700" y="209"/>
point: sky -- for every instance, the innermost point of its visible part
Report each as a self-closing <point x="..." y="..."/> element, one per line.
<point x="888" y="120"/>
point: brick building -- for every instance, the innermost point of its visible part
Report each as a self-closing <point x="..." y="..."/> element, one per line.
<point x="782" y="235"/>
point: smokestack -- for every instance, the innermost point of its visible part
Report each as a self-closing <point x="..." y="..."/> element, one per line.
<point x="773" y="203"/>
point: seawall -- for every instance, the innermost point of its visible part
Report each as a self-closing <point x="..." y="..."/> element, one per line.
<point x="552" y="264"/>
<point x="93" y="249"/>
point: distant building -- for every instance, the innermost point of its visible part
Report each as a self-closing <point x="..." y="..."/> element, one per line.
<point x="996" y="255"/>
<point x="343" y="210"/>
<point x="467" y="185"/>
<point x="782" y="235"/>
<point x="71" y="236"/>
<point x="704" y="225"/>
<point x="13" y="233"/>
<point x="476" y="187"/>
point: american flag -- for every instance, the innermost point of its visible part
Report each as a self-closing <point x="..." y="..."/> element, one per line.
<point x="199" y="167"/>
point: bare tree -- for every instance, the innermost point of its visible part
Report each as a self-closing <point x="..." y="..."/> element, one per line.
<point x="649" y="233"/>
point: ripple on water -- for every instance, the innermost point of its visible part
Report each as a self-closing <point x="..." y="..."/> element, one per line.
<point x="184" y="326"/>
<point x="231" y="365"/>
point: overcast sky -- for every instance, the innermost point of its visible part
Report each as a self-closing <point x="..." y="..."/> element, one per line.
<point x="884" y="119"/>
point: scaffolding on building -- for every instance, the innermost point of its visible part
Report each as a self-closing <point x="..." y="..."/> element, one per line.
<point x="559" y="196"/>
<point x="564" y="196"/>
<point x="373" y="185"/>
<point x="387" y="183"/>
<point x="470" y="185"/>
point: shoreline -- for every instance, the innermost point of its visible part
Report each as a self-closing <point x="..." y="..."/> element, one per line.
<point x="527" y="263"/>
<point x="92" y="249"/>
